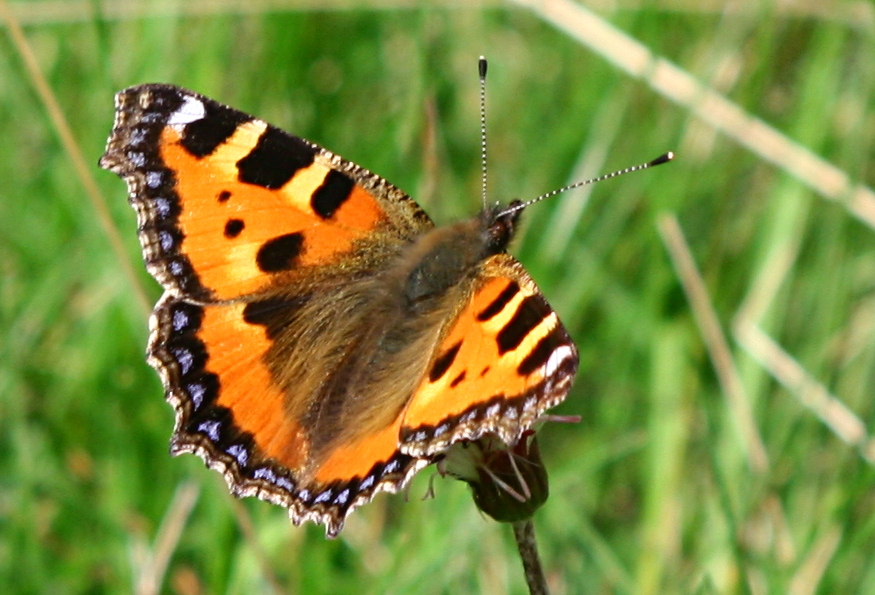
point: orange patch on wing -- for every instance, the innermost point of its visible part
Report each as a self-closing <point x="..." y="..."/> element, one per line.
<point x="228" y="266"/>
<point x="236" y="355"/>
<point x="360" y="211"/>
<point x="357" y="459"/>
<point x="478" y="371"/>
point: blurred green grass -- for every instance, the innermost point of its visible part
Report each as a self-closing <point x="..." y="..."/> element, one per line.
<point x="653" y="491"/>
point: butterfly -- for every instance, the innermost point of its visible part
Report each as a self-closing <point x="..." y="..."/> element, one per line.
<point x="319" y="338"/>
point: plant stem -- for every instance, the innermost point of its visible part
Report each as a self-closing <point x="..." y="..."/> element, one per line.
<point x="524" y="532"/>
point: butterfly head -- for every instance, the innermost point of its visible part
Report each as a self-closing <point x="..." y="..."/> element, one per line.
<point x="500" y="225"/>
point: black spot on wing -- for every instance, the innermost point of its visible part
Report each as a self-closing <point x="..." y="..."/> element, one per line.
<point x="274" y="313"/>
<point x="224" y="195"/>
<point x="532" y="310"/>
<point x="333" y="192"/>
<point x="233" y="227"/>
<point x="499" y="302"/>
<point x="538" y="357"/>
<point x="457" y="379"/>
<point x="203" y="136"/>
<point x="280" y="253"/>
<point x="275" y="159"/>
<point x="443" y="363"/>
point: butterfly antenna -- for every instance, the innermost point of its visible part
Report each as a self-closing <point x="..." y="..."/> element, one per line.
<point x="481" y="65"/>
<point x="664" y="158"/>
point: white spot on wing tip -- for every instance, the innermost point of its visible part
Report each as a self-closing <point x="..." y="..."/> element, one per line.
<point x="559" y="355"/>
<point x="191" y="110"/>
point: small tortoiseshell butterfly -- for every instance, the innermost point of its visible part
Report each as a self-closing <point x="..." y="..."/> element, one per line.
<point x="319" y="338"/>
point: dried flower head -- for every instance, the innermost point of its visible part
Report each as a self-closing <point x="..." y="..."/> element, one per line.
<point x="509" y="483"/>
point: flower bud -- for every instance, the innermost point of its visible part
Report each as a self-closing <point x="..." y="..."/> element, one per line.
<point x="508" y="483"/>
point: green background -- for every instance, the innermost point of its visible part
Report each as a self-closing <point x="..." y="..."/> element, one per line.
<point x="754" y="476"/>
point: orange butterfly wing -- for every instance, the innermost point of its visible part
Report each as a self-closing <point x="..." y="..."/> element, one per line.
<point x="230" y="412"/>
<point x="505" y="361"/>
<point x="230" y="208"/>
